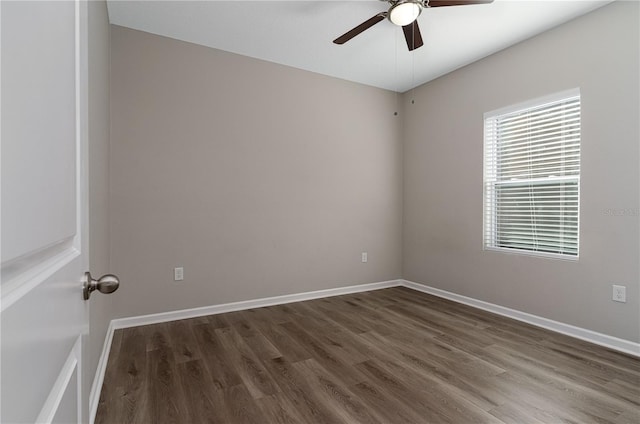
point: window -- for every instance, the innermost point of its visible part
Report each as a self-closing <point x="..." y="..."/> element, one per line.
<point x="532" y="177"/>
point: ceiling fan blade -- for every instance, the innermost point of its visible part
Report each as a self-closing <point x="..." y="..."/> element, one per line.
<point x="360" y="28"/>
<point x="441" y="3"/>
<point x="412" y="35"/>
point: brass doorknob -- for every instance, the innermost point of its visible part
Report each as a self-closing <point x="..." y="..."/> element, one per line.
<point x="106" y="284"/>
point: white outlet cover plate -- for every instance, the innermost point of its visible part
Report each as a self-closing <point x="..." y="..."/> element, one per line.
<point x="619" y="293"/>
<point x="178" y="274"/>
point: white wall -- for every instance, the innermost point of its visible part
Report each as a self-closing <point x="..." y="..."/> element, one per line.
<point x="443" y="142"/>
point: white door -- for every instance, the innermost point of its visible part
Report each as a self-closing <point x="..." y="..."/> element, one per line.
<point x="44" y="319"/>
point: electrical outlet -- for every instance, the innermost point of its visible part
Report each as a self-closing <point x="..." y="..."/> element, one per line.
<point x="619" y="293"/>
<point x="364" y="257"/>
<point x="178" y="274"/>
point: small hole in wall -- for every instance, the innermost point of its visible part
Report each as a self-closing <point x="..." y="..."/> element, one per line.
<point x="395" y="113"/>
<point x="413" y="102"/>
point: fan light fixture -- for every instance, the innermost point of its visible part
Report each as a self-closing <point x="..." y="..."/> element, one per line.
<point x="405" y="12"/>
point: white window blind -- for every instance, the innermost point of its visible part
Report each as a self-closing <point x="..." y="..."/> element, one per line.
<point x="532" y="177"/>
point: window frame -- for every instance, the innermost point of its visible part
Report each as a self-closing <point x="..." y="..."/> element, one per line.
<point x="492" y="209"/>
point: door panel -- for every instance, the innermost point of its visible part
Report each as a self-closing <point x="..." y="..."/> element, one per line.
<point x="44" y="321"/>
<point x="38" y="127"/>
<point x="38" y="335"/>
<point x="65" y="411"/>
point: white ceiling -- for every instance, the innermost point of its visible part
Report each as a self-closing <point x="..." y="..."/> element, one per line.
<point x="300" y="33"/>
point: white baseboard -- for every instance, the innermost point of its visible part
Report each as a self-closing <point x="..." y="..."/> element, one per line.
<point x="248" y="304"/>
<point x="98" y="378"/>
<point x="611" y="342"/>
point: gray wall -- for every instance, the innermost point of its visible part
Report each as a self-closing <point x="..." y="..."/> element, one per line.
<point x="443" y="144"/>
<point x="259" y="179"/>
<point x="101" y="307"/>
<point x="263" y="180"/>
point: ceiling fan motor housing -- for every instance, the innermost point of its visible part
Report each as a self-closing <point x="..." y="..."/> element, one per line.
<point x="404" y="12"/>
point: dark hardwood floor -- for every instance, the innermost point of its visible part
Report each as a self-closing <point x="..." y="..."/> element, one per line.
<point x="387" y="356"/>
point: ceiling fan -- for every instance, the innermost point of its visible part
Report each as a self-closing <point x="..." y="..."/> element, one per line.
<point x="405" y="13"/>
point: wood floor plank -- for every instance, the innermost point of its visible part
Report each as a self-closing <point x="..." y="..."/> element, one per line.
<point x="400" y="392"/>
<point x="334" y="394"/>
<point x="277" y="409"/>
<point x="387" y="407"/>
<point x="299" y="393"/>
<point x="166" y="402"/>
<point x="215" y="358"/>
<point x="262" y="347"/>
<point x="438" y="386"/>
<point x="157" y="336"/>
<point x="466" y="385"/>
<point x="630" y="392"/>
<point x="321" y="353"/>
<point x="184" y="344"/>
<point x="337" y="338"/>
<point x="597" y="404"/>
<point x="535" y="397"/>
<point x="271" y="330"/>
<point x="203" y="404"/>
<point x="387" y="356"/>
<point x="628" y="417"/>
<point x="217" y="321"/>
<point x="354" y="325"/>
<point x="512" y="413"/>
<point x="256" y="379"/>
<point x="239" y="406"/>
